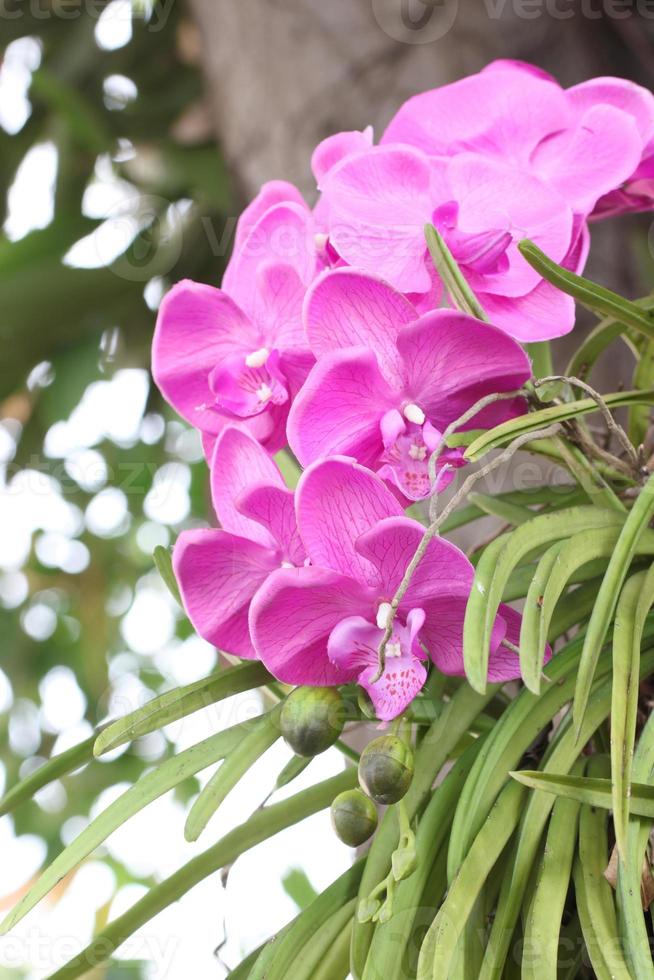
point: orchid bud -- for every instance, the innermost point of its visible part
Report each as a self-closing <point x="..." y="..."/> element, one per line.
<point x="354" y="817"/>
<point x="386" y="769"/>
<point x="312" y="719"/>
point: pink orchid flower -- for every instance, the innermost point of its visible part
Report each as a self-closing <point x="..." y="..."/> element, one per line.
<point x="238" y="354"/>
<point x="388" y="381"/>
<point x="219" y="571"/>
<point x="378" y="202"/>
<point x="514" y="112"/>
<point x="322" y="623"/>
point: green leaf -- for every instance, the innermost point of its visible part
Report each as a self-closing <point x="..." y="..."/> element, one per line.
<point x="543" y="922"/>
<point x="299" y="889"/>
<point x="451" y="276"/>
<point x="150" y="787"/>
<point x="607" y="597"/>
<point x="439" y="946"/>
<point x="560" y="756"/>
<point x="593" y="894"/>
<point x="582" y="550"/>
<point x="495" y="567"/>
<point x="540" y="355"/>
<point x="633" y="930"/>
<point x="643" y="377"/>
<point x="336" y="962"/>
<point x="263" y="733"/>
<point x="531" y="653"/>
<point x="295" y="948"/>
<point x="596" y="298"/>
<point x="434" y="750"/>
<point x="60" y="765"/>
<point x="583" y="360"/>
<point x="504" y="433"/>
<point x="260" y="826"/>
<point x="522" y="721"/>
<point x="591" y="791"/>
<point x="634" y="603"/>
<point x="182" y="701"/>
<point x="293" y="768"/>
<point x="164" y="564"/>
<point x="391" y="939"/>
<point x="510" y="513"/>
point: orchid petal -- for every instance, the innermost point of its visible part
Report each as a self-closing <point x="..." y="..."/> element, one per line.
<point x="273" y="507"/>
<point x="340" y="407"/>
<point x="197" y="327"/>
<point x="293" y="614"/>
<point x="336" y="501"/>
<point x="239" y="461"/>
<point x="347" y="308"/>
<point x="452" y="360"/>
<point x="218" y="574"/>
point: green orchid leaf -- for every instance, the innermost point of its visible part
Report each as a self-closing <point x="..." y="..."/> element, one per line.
<point x="504" y="433"/>
<point x="264" y="732"/>
<point x="634" y="526"/>
<point x="180" y="702"/>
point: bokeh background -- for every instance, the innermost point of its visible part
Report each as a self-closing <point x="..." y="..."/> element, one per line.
<point x="131" y="133"/>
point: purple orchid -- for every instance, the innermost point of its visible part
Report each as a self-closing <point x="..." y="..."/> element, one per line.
<point x="219" y="571"/>
<point x="517" y="113"/>
<point x="379" y="201"/>
<point x="322" y="623"/>
<point x="238" y="354"/>
<point x="489" y="160"/>
<point x="388" y="381"/>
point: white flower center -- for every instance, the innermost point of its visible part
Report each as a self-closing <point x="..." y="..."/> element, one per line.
<point x="383" y="615"/>
<point x="257" y="358"/>
<point x="394" y="649"/>
<point x="413" y="413"/>
<point x="320" y="240"/>
<point x="287" y="564"/>
<point x="264" y="393"/>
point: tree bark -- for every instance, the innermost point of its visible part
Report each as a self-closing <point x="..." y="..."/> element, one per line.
<point x="283" y="74"/>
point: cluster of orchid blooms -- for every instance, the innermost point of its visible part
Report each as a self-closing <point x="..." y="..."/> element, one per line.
<point x="328" y="337"/>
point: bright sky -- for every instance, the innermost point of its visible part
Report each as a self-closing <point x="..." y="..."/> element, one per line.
<point x="181" y="941"/>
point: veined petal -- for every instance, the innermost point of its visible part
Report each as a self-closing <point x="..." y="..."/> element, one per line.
<point x="218" y="574"/>
<point x="340" y="407"/>
<point x="378" y="203"/>
<point x="292" y="616"/>
<point x="335" y="148"/>
<point x="444" y="570"/>
<point x="237" y="462"/>
<point x="452" y="360"/>
<point x="493" y="195"/>
<point x="273" y="508"/>
<point x="271" y="193"/>
<point x="336" y="501"/>
<point x="347" y="308"/>
<point x="543" y="314"/>
<point x="504" y="113"/>
<point x="197" y="327"/>
<point x="595" y="157"/>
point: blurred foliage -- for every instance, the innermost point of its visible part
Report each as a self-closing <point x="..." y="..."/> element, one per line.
<point x="79" y="326"/>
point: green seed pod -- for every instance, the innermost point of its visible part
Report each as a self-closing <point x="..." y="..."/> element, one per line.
<point x="354" y="817"/>
<point x="312" y="719"/>
<point x="386" y="769"/>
